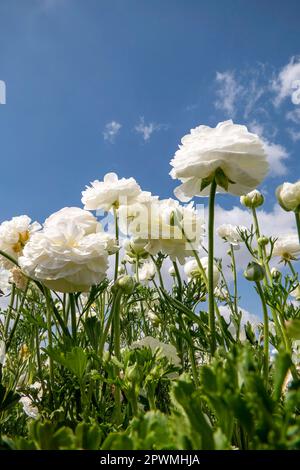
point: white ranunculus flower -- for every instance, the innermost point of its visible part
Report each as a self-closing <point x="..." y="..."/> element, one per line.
<point x="166" y="350"/>
<point x="79" y="216"/>
<point x="192" y="270"/>
<point x="231" y="233"/>
<point x="147" y="271"/>
<point x="168" y="218"/>
<point x="288" y="195"/>
<point x="29" y="408"/>
<point x="110" y="192"/>
<point x="66" y="257"/>
<point x="229" y="147"/>
<point x="287" y="247"/>
<point x="14" y="234"/>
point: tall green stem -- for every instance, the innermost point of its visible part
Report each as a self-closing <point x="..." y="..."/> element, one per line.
<point x="117" y="240"/>
<point x="211" y="300"/>
<point x="178" y="277"/>
<point x="266" y="332"/>
<point x="117" y="349"/>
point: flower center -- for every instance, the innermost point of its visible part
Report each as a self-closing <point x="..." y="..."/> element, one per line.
<point x="23" y="238"/>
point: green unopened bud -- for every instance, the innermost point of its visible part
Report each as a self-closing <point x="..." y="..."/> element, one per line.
<point x="276" y="274"/>
<point x="263" y="241"/>
<point x="125" y="283"/>
<point x="252" y="200"/>
<point x="254" y="272"/>
<point x="132" y="373"/>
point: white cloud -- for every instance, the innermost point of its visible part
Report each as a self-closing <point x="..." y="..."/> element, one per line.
<point x="246" y="317"/>
<point x="111" y="130"/>
<point x="228" y="92"/>
<point x="294" y="135"/>
<point x="285" y="83"/>
<point x="293" y="116"/>
<point x="273" y="223"/>
<point x="146" y="130"/>
<point x="276" y="153"/>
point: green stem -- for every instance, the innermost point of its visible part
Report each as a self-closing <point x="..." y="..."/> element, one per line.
<point x="178" y="277"/>
<point x="73" y="317"/>
<point x="14" y="327"/>
<point x="266" y="332"/>
<point x="161" y="282"/>
<point x="211" y="300"/>
<point x="50" y="342"/>
<point x="117" y="240"/>
<point x="297" y="217"/>
<point x="117" y="350"/>
<point x="10" y="307"/>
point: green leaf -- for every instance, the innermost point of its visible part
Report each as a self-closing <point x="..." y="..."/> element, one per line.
<point x="282" y="364"/>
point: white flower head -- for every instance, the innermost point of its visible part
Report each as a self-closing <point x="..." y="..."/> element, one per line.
<point x="231" y="233"/>
<point x="29" y="408"/>
<point x="228" y="147"/>
<point x="175" y="230"/>
<point x="193" y="271"/>
<point x="66" y="256"/>
<point x="287" y="247"/>
<point x="14" y="234"/>
<point x="288" y="195"/>
<point x="166" y="350"/>
<point x="147" y="271"/>
<point x="111" y="192"/>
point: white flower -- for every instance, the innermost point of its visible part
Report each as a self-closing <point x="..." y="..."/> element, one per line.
<point x="164" y="232"/>
<point x="287" y="247"/>
<point x="65" y="256"/>
<point x="192" y="270"/>
<point x="110" y="192"/>
<point x="229" y="147"/>
<point x="4" y="281"/>
<point x="296" y="292"/>
<point x="166" y="350"/>
<point x="29" y="408"/>
<point x="85" y="219"/>
<point x="231" y="233"/>
<point x="14" y="234"/>
<point x="288" y="195"/>
<point x="147" y="271"/>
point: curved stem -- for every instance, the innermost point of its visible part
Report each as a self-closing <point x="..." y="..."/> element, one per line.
<point x="211" y="300"/>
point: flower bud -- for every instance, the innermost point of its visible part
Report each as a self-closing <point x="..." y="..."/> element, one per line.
<point x="263" y="241"/>
<point x="132" y="373"/>
<point x="276" y="274"/>
<point x="125" y="283"/>
<point x="288" y="196"/>
<point x="121" y="270"/>
<point x="254" y="272"/>
<point x="252" y="200"/>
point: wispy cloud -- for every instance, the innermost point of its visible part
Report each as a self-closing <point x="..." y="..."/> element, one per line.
<point x="228" y="92"/>
<point x="285" y="82"/>
<point x="293" y="115"/>
<point x="146" y="130"/>
<point x="276" y="153"/>
<point x="111" y="130"/>
<point x="294" y="135"/>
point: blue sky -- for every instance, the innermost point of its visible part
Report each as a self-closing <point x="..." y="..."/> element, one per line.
<point x="148" y="71"/>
